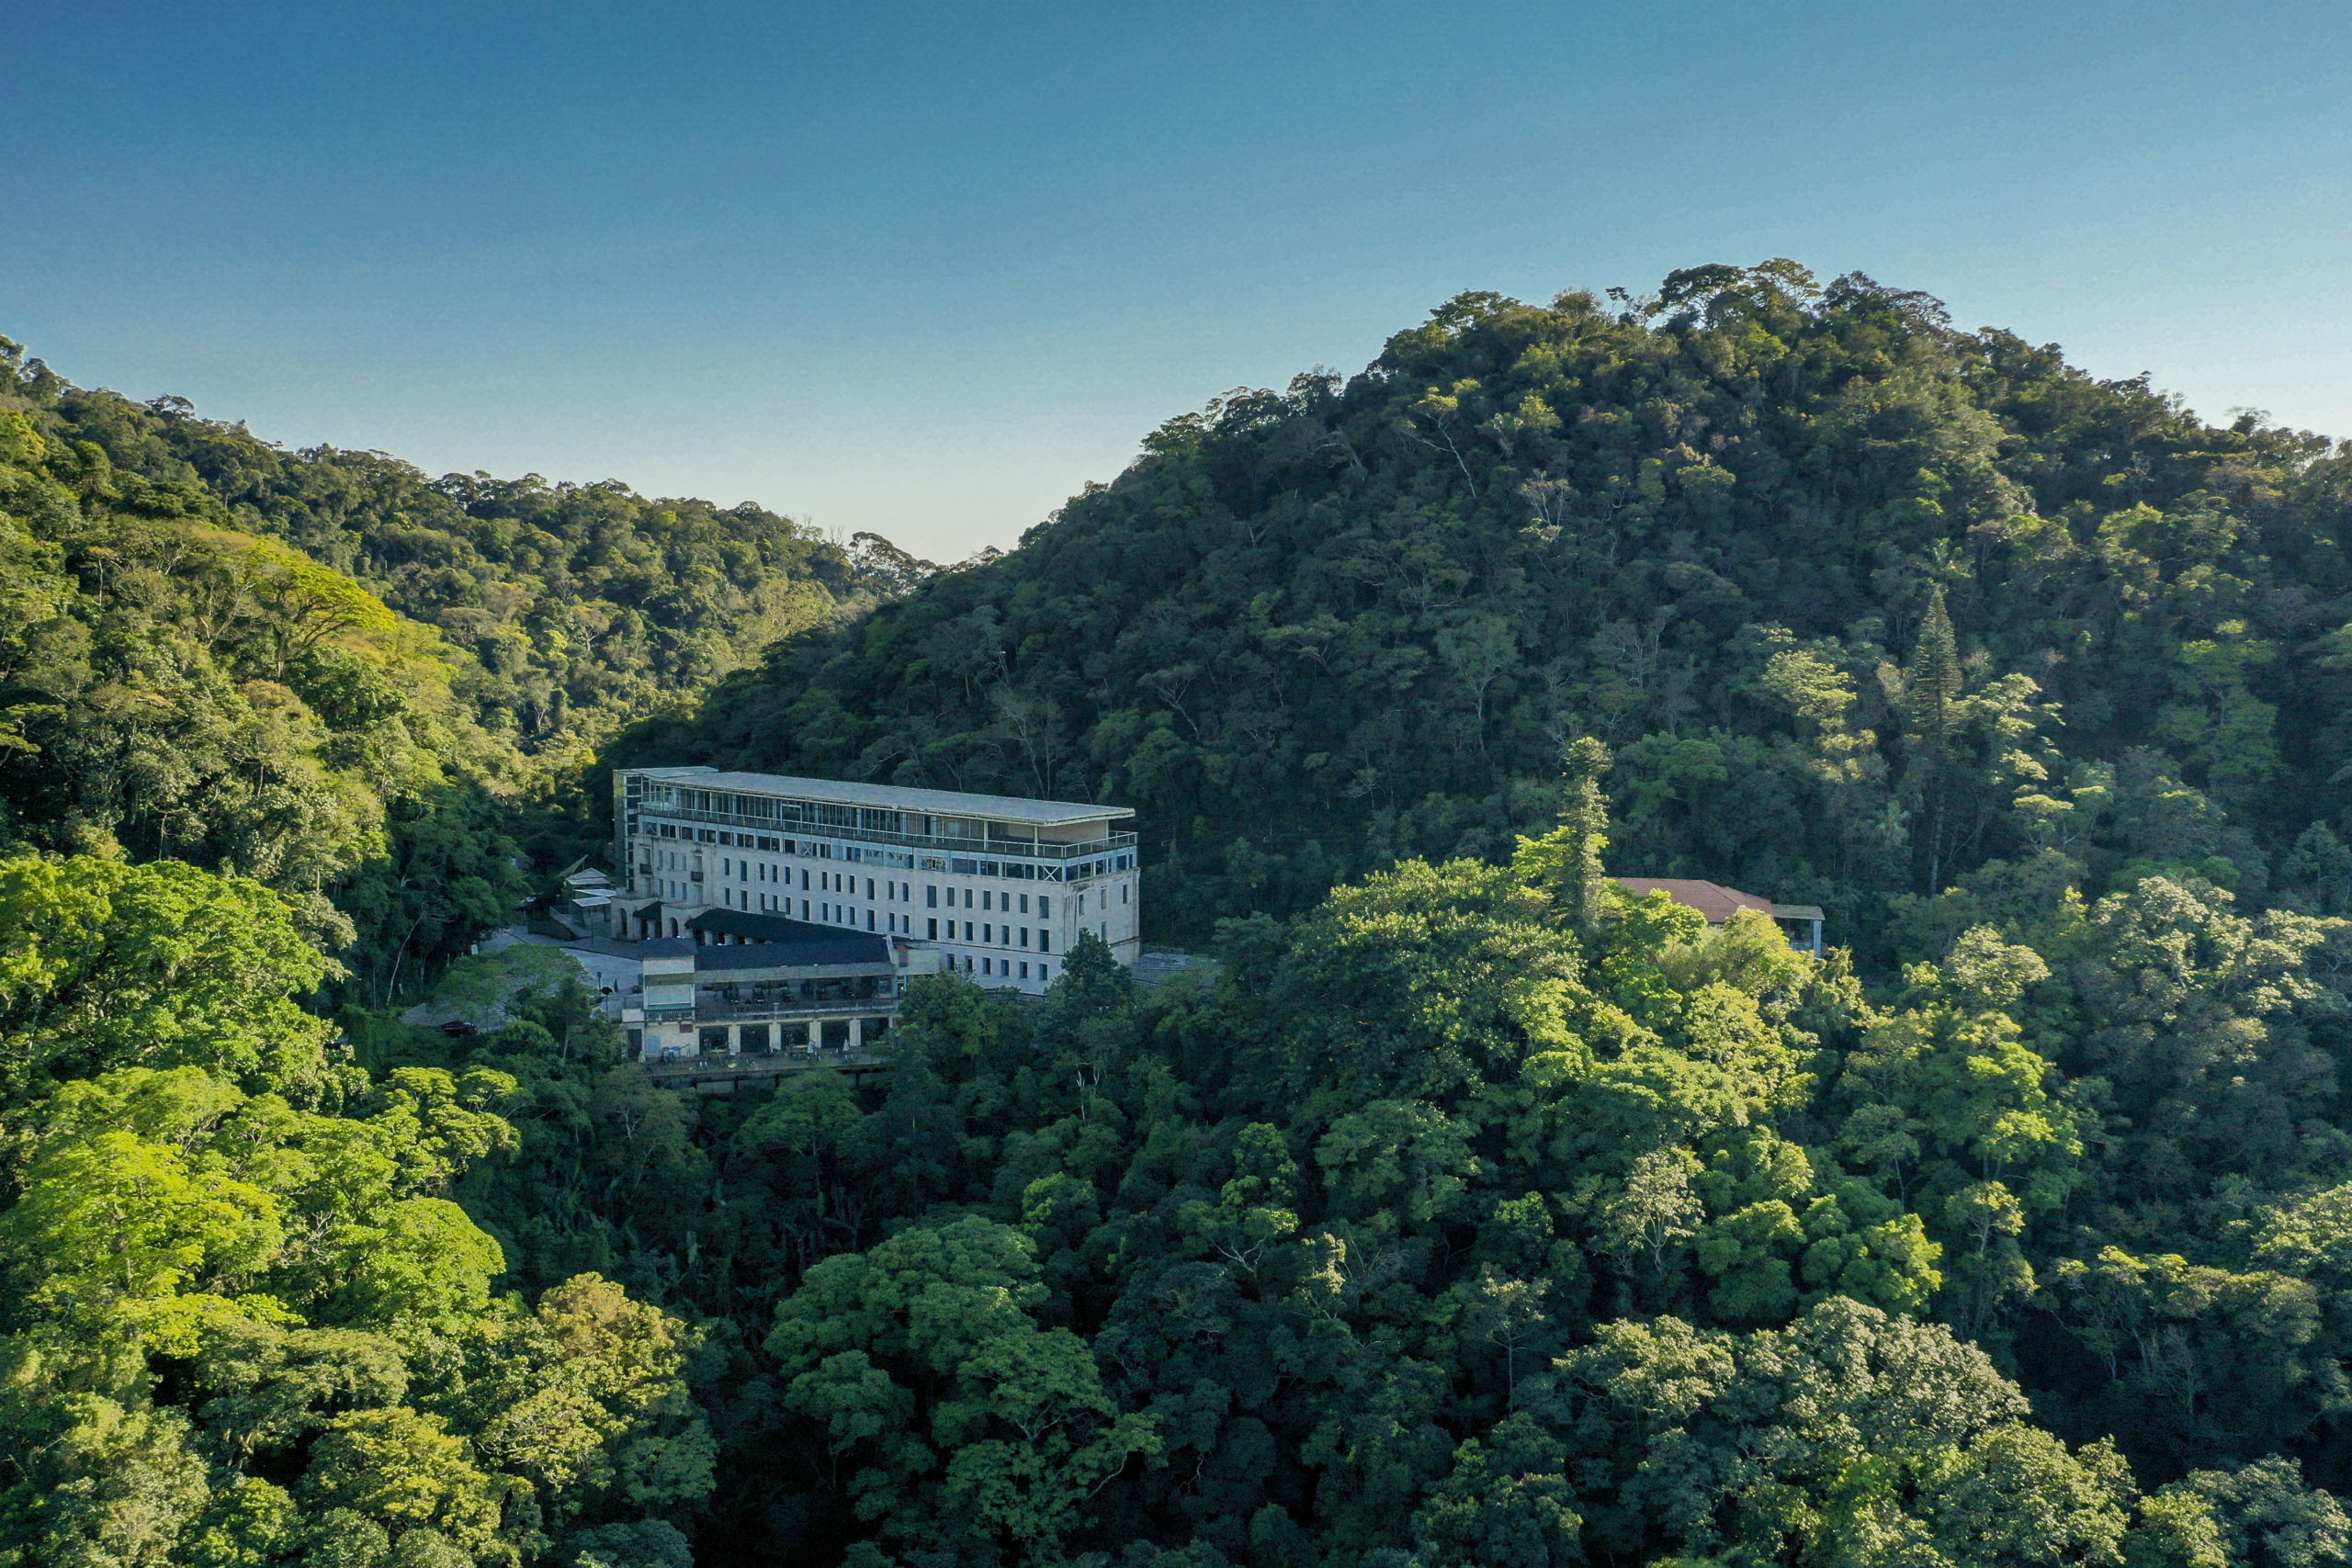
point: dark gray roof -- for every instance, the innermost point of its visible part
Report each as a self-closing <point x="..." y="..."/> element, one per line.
<point x="656" y="947"/>
<point x="771" y="942"/>
<point x="849" y="955"/>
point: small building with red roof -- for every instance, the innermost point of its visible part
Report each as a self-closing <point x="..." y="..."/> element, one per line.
<point x="1803" y="922"/>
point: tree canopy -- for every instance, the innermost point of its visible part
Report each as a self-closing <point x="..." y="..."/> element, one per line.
<point x="1461" y="1209"/>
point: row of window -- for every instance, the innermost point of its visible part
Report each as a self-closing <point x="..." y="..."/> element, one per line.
<point x="820" y="912"/>
<point x="867" y="819"/>
<point x="1012" y="936"/>
<point x="1014" y="870"/>
<point x="890" y="890"/>
<point x="898" y="892"/>
<point x="1003" y="969"/>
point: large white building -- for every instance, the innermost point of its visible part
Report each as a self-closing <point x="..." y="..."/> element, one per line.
<point x="996" y="886"/>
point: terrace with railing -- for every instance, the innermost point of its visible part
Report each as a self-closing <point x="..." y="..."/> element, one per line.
<point x="1025" y="849"/>
<point x="754" y="1009"/>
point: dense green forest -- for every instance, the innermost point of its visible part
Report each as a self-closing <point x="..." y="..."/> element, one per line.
<point x="1863" y="604"/>
<point x="1470" y="1214"/>
<point x="583" y="606"/>
<point x="371" y="691"/>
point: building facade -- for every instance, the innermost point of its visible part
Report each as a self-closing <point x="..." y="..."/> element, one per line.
<point x="993" y="886"/>
<point x="763" y="986"/>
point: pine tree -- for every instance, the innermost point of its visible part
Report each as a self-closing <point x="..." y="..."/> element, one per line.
<point x="1931" y="705"/>
<point x="1566" y="861"/>
<point x="1931" y="685"/>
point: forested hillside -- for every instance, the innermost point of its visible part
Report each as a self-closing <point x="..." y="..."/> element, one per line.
<point x="584" y="606"/>
<point x="369" y="690"/>
<point x="1473" y="1215"/>
<point x="1861" y="602"/>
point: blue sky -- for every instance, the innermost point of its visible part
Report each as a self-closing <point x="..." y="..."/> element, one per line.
<point x="928" y="269"/>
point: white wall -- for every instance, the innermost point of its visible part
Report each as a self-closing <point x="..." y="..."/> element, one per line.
<point x="1019" y="930"/>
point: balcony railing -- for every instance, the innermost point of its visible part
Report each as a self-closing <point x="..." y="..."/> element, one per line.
<point x="1023" y="848"/>
<point x="759" y="1011"/>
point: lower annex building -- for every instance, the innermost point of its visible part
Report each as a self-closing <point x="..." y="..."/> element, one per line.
<point x="767" y="913"/>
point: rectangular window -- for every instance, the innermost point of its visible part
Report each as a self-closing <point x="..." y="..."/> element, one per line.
<point x="987" y="933"/>
<point x="967" y="898"/>
<point x="1024" y="903"/>
<point x="1024" y="971"/>
<point x="1024" y="936"/>
<point x="930" y="896"/>
<point x="804" y="879"/>
<point x="869" y="887"/>
<point x="1123" y="892"/>
<point x="1045" y="903"/>
<point x="869" y="920"/>
<point x="934" y="930"/>
<point x="1045" y="941"/>
<point x="967" y="931"/>
<point x="804" y="909"/>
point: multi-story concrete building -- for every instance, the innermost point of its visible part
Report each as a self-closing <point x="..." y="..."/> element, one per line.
<point x="993" y="886"/>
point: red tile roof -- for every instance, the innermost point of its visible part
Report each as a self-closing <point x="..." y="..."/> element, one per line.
<point x="1716" y="902"/>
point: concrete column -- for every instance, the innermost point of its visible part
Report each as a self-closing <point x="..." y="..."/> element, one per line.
<point x="856" y="1033"/>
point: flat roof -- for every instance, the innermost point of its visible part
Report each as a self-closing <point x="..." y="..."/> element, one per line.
<point x="890" y="797"/>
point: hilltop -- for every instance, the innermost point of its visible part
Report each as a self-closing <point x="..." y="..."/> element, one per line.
<point x="1865" y="604"/>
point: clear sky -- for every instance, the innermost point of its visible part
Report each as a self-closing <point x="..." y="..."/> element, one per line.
<point x="927" y="269"/>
